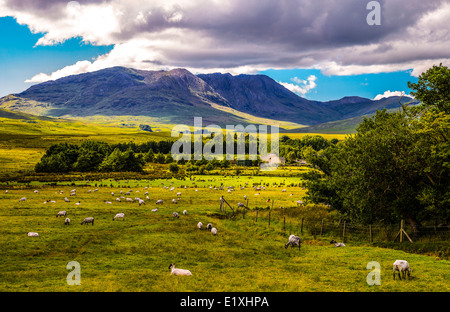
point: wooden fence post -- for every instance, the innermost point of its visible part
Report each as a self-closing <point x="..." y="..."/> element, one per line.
<point x="284" y="223"/>
<point x="343" y="233"/>
<point x="269" y="218"/>
<point x="256" y="219"/>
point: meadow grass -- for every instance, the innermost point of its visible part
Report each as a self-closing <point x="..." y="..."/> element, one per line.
<point x="134" y="254"/>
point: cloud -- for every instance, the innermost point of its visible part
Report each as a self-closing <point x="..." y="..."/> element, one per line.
<point x="235" y="36"/>
<point x="390" y="93"/>
<point x="301" y="87"/>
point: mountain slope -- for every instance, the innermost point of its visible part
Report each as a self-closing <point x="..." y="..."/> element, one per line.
<point x="177" y="96"/>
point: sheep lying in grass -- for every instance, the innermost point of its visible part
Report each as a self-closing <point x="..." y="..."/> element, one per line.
<point x="293" y="241"/>
<point x="336" y="244"/>
<point x="88" y="220"/>
<point x="120" y="215"/>
<point x="178" y="271"/>
<point x="67" y="221"/>
<point x="32" y="234"/>
<point x="62" y="213"/>
<point x="402" y="267"/>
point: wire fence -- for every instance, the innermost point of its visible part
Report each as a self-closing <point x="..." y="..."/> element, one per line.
<point x="316" y="228"/>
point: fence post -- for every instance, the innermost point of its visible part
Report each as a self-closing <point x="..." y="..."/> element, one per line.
<point x="321" y="229"/>
<point x="301" y="229"/>
<point x="343" y="233"/>
<point x="256" y="219"/>
<point x="269" y="218"/>
<point x="284" y="223"/>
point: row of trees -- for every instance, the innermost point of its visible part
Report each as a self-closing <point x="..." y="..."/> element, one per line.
<point x="397" y="165"/>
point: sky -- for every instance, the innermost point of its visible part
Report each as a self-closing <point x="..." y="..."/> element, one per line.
<point x="320" y="49"/>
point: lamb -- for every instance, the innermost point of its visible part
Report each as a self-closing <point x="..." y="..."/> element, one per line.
<point x="402" y="267"/>
<point x="32" y="234"/>
<point x="175" y="214"/>
<point x="336" y="244"/>
<point x="199" y="225"/>
<point x="120" y="215"/>
<point x="88" y="220"/>
<point x="293" y="241"/>
<point x="178" y="271"/>
<point x="67" y="221"/>
<point x="62" y="213"/>
<point x="214" y="231"/>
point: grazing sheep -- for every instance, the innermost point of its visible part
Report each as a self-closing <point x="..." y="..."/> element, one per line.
<point x="141" y="202"/>
<point x="108" y="202"/>
<point x="120" y="215"/>
<point x="293" y="241"/>
<point x="129" y="199"/>
<point x="245" y="196"/>
<point x="88" y="220"/>
<point x="185" y="212"/>
<point x="66" y="199"/>
<point x="175" y="214"/>
<point x="23" y="199"/>
<point x="179" y="194"/>
<point x="214" y="231"/>
<point x="241" y="205"/>
<point x="174" y="201"/>
<point x="402" y="267"/>
<point x="336" y="244"/>
<point x="32" y="234"/>
<point x="178" y="271"/>
<point x="209" y="226"/>
<point x="159" y="201"/>
<point x="154" y="210"/>
<point x="62" y="213"/>
<point x="79" y="203"/>
<point x="67" y="221"/>
<point x="36" y="191"/>
<point x="199" y="225"/>
<point x="118" y="199"/>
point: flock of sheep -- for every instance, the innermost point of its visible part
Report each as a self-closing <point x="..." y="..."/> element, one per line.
<point x="399" y="266"/>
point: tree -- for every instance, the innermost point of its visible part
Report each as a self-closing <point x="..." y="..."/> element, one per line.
<point x="397" y="165"/>
<point x="173" y="167"/>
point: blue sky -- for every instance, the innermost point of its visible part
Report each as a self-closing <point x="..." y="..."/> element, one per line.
<point x="322" y="50"/>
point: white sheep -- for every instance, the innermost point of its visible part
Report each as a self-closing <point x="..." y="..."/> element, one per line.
<point x="214" y="231"/>
<point x="159" y="201"/>
<point x="178" y="271"/>
<point x="66" y="199"/>
<point x="32" y="234"/>
<point x="120" y="215"/>
<point x="402" y="267"/>
<point x="209" y="226"/>
<point x="23" y="199"/>
<point x="174" y="201"/>
<point x="62" y="213"/>
<point x="129" y="199"/>
<point x="67" y="221"/>
<point x="185" y="212"/>
<point x="179" y="194"/>
<point x="293" y="241"/>
<point x="88" y="220"/>
<point x="141" y="202"/>
<point x="199" y="225"/>
<point x="175" y="214"/>
<point x="241" y="205"/>
<point x="336" y="244"/>
<point x="155" y="210"/>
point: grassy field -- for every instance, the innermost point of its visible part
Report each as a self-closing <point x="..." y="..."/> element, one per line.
<point x="134" y="254"/>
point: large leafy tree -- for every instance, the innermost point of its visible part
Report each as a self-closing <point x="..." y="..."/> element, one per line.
<point x="397" y="163"/>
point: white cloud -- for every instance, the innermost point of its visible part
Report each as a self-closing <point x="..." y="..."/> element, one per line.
<point x="390" y="93"/>
<point x="242" y="37"/>
<point x="300" y="86"/>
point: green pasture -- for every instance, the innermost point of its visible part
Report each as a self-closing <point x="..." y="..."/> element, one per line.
<point x="248" y="254"/>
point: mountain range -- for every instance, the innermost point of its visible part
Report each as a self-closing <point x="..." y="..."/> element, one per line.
<point x="177" y="96"/>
